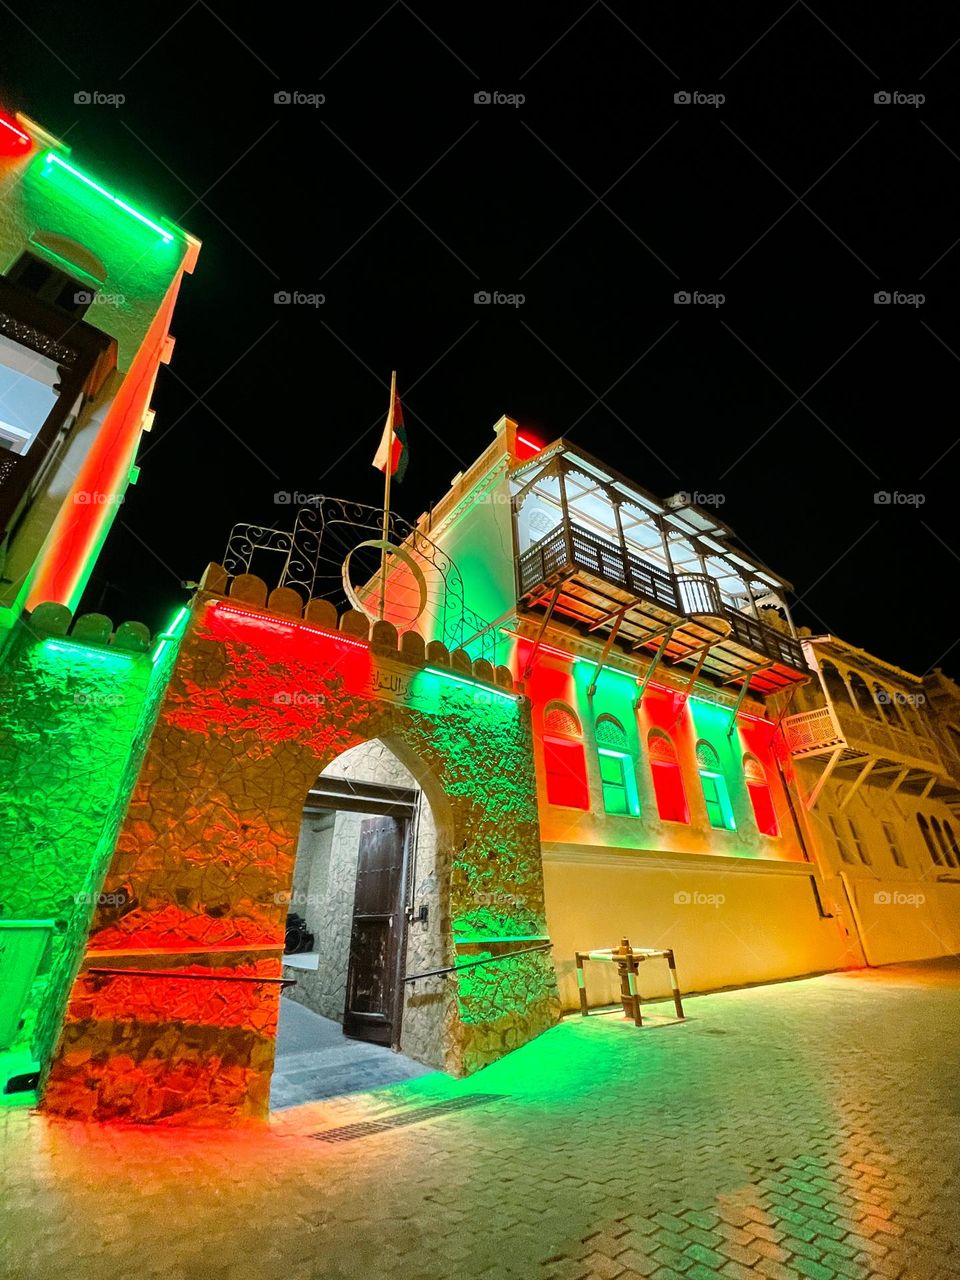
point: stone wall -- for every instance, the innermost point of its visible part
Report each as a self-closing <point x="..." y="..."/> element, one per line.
<point x="75" y="713"/>
<point x="263" y="697"/>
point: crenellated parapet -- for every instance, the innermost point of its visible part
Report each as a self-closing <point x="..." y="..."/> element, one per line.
<point x="248" y="590"/>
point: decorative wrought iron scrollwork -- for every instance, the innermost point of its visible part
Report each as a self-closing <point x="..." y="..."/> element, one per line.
<point x="326" y="530"/>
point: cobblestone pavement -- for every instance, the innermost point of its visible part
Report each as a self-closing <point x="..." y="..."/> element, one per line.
<point x="804" y="1129"/>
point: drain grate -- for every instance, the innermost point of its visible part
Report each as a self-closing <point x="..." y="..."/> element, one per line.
<point x="413" y="1115"/>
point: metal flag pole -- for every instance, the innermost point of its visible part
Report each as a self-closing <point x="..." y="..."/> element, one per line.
<point x="388" y="471"/>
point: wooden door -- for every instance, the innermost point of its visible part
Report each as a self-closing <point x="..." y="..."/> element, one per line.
<point x="376" y="940"/>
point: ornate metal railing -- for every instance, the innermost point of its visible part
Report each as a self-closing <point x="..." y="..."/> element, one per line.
<point x="309" y="557"/>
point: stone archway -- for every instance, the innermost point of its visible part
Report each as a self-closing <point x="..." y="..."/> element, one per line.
<point x="324" y="886"/>
<point x="173" y="1016"/>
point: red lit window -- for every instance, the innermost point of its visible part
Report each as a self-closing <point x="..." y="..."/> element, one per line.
<point x="667" y="779"/>
<point x="761" y="797"/>
<point x="564" y="758"/>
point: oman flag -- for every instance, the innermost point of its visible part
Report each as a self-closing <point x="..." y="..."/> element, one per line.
<point x="393" y="453"/>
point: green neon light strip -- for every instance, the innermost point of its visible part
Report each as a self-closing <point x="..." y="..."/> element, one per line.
<point x="173" y="632"/>
<point x="472" y="684"/>
<point x="51" y="158"/>
<point x="71" y="646"/>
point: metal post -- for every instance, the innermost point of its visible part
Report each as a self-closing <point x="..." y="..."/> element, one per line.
<point x="675" y="984"/>
<point x="581" y="985"/>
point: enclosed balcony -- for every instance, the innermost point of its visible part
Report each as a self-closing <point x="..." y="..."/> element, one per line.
<point x="872" y="724"/>
<point x="600" y="552"/>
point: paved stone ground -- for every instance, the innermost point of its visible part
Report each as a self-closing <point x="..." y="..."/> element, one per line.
<point x="316" y="1060"/>
<point x="805" y="1129"/>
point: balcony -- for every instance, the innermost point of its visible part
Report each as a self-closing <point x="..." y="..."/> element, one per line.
<point x="860" y="738"/>
<point x="600" y="584"/>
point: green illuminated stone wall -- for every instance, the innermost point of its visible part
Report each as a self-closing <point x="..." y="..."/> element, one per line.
<point x="74" y="720"/>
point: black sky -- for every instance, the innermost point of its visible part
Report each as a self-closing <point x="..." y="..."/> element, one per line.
<point x="598" y="198"/>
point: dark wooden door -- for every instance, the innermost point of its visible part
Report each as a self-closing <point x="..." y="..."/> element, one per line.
<point x="372" y="1005"/>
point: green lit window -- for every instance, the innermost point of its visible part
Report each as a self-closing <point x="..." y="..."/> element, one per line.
<point x="617" y="773"/>
<point x="715" y="794"/>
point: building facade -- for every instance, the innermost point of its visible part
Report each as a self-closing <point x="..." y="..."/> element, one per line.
<point x="582" y="713"/>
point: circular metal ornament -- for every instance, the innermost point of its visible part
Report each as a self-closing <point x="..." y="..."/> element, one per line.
<point x="404" y="557"/>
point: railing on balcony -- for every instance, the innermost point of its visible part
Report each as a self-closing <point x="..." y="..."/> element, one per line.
<point x="812" y="731"/>
<point x="859" y="729"/>
<point x="820" y="730"/>
<point x="570" y="547"/>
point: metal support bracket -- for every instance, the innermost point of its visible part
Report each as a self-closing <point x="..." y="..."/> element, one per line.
<point x="667" y="634"/>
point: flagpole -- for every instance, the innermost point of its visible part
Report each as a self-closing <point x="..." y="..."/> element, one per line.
<point x="386" y="494"/>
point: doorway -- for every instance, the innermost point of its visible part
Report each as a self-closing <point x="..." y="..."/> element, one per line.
<point x="372" y="1010"/>
<point x="364" y="912"/>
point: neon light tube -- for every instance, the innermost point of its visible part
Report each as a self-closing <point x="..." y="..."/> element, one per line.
<point x="473" y="684"/>
<point x="292" y="624"/>
<point x="108" y="651"/>
<point x="51" y="158"/>
<point x="18" y="133"/>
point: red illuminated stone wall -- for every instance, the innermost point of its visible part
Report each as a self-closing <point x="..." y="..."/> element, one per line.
<point x="260" y="701"/>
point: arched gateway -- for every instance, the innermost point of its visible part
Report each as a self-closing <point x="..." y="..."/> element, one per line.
<point x="173" y="1016"/>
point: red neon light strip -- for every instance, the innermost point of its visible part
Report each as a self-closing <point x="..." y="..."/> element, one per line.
<point x="273" y="621"/>
<point x="24" y="137"/>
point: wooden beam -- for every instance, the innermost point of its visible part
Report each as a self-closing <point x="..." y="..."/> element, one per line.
<point x="543" y="626"/>
<point x="592" y="687"/>
<point x="857" y="783"/>
<point x="814" y="795"/>
<point x="642" y="688"/>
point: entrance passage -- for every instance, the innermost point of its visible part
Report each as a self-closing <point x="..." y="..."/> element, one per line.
<point x="315" y="1060"/>
<point x="364" y="910"/>
<point x="376" y="938"/>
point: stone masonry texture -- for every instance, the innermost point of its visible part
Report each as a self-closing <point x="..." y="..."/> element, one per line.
<point x="252" y="714"/>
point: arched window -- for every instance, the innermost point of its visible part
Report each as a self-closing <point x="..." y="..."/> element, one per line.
<point x="942" y="842"/>
<point x="862" y="697"/>
<point x="714" y="784"/>
<point x="884" y="700"/>
<point x="761" y="797"/>
<point x="617" y="770"/>
<point x="667" y="778"/>
<point x="564" y="760"/>
<point x="936" y="857"/>
<point x="835" y="685"/>
<point x="951" y="841"/>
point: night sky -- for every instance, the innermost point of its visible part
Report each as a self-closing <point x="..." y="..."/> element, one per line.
<point x="599" y="197"/>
